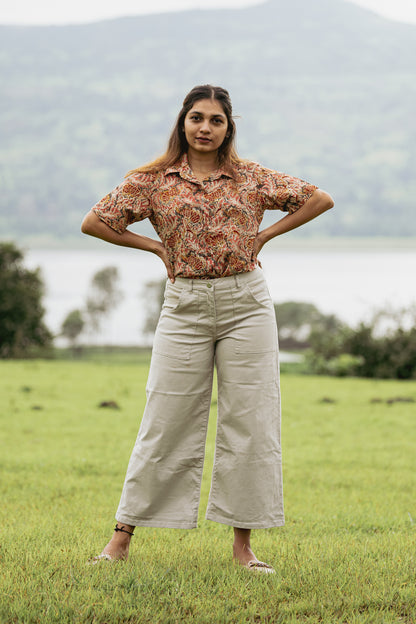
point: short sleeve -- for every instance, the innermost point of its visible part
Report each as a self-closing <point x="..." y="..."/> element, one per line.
<point x="283" y="192"/>
<point x="127" y="203"/>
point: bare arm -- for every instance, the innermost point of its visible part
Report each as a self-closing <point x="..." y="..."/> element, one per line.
<point x="93" y="226"/>
<point x="318" y="203"/>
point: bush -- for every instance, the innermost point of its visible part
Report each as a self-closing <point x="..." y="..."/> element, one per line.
<point x="391" y="356"/>
<point x="367" y="351"/>
<point x="343" y="365"/>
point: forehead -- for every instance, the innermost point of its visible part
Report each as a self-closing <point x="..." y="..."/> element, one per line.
<point x="208" y="107"/>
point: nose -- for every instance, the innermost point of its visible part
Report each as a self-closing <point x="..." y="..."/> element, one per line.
<point x="205" y="126"/>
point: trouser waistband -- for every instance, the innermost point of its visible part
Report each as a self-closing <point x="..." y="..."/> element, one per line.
<point x="237" y="280"/>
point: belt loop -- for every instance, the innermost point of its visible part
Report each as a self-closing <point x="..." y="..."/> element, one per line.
<point x="237" y="281"/>
<point x="192" y="285"/>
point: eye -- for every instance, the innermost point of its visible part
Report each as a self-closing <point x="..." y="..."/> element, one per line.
<point x="194" y="117"/>
<point x="218" y="120"/>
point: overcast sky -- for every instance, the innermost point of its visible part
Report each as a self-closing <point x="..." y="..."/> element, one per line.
<point x="78" y="11"/>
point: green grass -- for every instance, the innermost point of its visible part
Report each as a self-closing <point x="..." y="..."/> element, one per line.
<point x="346" y="555"/>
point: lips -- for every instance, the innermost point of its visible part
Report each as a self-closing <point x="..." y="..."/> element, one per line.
<point x="203" y="140"/>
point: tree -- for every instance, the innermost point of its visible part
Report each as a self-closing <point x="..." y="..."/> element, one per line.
<point x="72" y="327"/>
<point x="104" y="295"/>
<point x="298" y="321"/>
<point x="21" y="311"/>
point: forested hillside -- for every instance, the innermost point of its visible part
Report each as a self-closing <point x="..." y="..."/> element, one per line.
<point x="324" y="90"/>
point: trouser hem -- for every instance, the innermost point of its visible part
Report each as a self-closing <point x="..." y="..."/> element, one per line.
<point x="156" y="524"/>
<point x="279" y="522"/>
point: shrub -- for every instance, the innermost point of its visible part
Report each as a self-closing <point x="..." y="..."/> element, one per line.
<point x="368" y="351"/>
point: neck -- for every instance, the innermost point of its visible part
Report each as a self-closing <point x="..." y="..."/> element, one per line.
<point x="202" y="163"/>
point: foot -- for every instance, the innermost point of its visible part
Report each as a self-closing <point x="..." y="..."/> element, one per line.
<point x="243" y="554"/>
<point x="117" y="548"/>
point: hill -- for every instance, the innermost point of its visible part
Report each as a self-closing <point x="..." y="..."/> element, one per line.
<point x="325" y="90"/>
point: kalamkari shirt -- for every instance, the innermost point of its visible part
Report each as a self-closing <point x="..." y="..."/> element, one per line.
<point x="208" y="227"/>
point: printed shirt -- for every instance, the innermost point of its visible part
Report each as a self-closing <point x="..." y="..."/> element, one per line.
<point x="209" y="227"/>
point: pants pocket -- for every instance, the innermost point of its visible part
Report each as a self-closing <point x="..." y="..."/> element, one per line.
<point x="260" y="293"/>
<point x="172" y="296"/>
<point x="177" y="324"/>
<point x="255" y="321"/>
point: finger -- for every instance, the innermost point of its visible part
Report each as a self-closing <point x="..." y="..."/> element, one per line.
<point x="254" y="258"/>
<point x="170" y="272"/>
<point x="165" y="259"/>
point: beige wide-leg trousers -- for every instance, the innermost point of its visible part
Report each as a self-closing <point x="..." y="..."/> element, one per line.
<point x="229" y="322"/>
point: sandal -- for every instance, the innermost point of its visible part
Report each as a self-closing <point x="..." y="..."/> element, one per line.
<point x="260" y="566"/>
<point x="99" y="558"/>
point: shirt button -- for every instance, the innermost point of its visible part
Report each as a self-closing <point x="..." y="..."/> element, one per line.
<point x="209" y="285"/>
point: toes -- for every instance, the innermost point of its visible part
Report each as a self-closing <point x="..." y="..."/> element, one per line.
<point x="260" y="566"/>
<point x="100" y="558"/>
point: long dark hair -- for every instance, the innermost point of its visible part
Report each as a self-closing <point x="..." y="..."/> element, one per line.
<point x="178" y="145"/>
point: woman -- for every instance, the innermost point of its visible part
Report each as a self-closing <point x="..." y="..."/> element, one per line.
<point x="206" y="205"/>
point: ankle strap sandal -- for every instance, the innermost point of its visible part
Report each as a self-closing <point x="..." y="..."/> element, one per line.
<point x="122" y="530"/>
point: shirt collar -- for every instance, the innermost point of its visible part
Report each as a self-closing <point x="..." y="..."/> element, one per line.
<point x="182" y="167"/>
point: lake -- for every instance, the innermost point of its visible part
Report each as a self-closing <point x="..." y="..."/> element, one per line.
<point x="349" y="282"/>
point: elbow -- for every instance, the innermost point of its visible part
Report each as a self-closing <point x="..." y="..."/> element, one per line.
<point x="88" y="223"/>
<point x="325" y="201"/>
<point x="331" y="202"/>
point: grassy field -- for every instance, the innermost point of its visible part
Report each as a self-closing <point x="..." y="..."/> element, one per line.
<point x="346" y="555"/>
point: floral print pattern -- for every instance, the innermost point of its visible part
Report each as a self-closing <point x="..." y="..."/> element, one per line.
<point x="209" y="227"/>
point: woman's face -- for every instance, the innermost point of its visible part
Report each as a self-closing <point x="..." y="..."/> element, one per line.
<point x="205" y="126"/>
